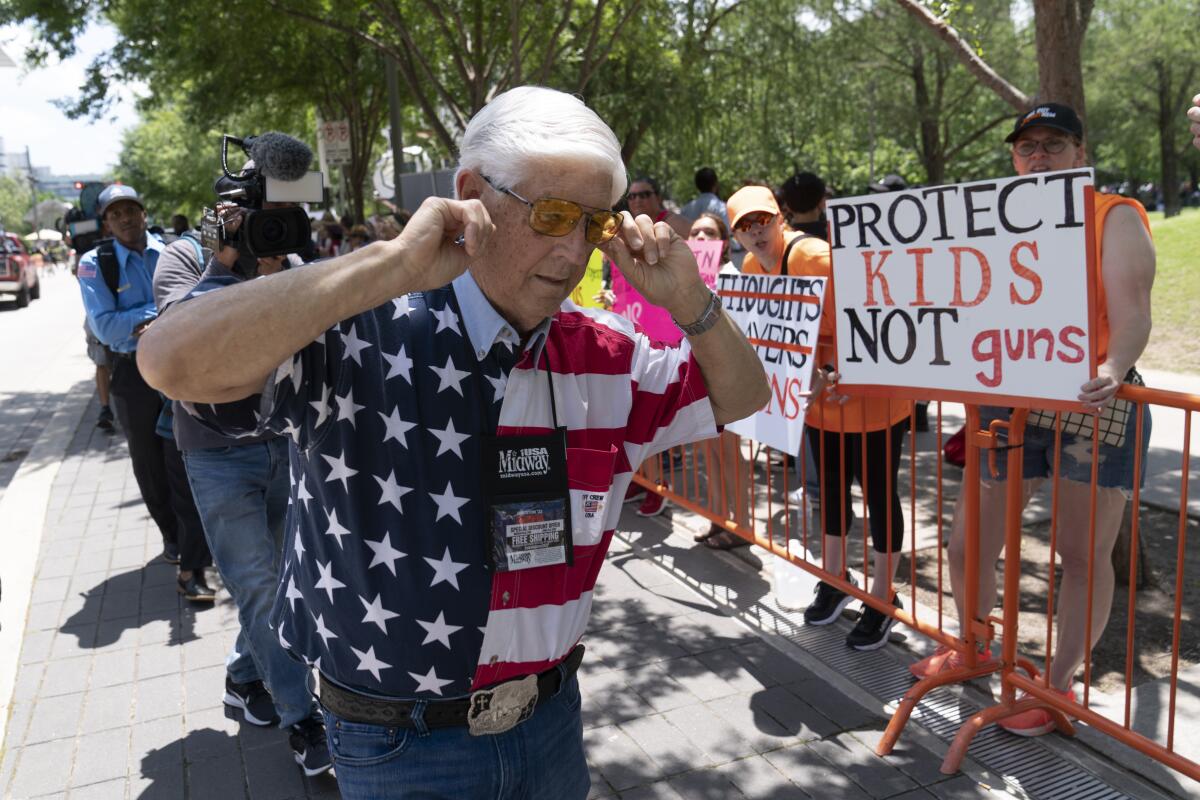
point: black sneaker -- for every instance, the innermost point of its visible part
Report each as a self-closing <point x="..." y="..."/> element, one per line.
<point x="170" y="553"/>
<point x="195" y="589"/>
<point x="253" y="699"/>
<point x="105" y="419"/>
<point x="871" y="632"/>
<point x="309" y="747"/>
<point x="828" y="605"/>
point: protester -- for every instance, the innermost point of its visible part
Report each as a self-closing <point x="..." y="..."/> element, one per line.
<point x="405" y="575"/>
<point x="890" y="183"/>
<point x="804" y="204"/>
<point x="115" y="279"/>
<point x="728" y="472"/>
<point x="646" y="198"/>
<point x="359" y="236"/>
<point x="1194" y="115"/>
<point x="1050" y="137"/>
<point x="707" y="202"/>
<point x="241" y="487"/>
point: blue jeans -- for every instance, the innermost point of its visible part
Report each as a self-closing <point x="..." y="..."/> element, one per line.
<point x="241" y="493"/>
<point x="540" y="759"/>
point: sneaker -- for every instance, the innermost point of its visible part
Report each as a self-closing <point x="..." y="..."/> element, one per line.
<point x="633" y="493"/>
<point x="170" y="553"/>
<point x="944" y="658"/>
<point x="653" y="505"/>
<point x="1034" y="722"/>
<point x="253" y="699"/>
<point x="105" y="419"/>
<point x="195" y="589"/>
<point x="871" y="632"/>
<point x="309" y="747"/>
<point x="828" y="605"/>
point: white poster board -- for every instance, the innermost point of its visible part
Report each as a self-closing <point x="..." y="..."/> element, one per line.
<point x="335" y="137"/>
<point x="781" y="317"/>
<point x="982" y="291"/>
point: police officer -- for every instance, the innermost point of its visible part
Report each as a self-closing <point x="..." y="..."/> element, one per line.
<point x="115" y="278"/>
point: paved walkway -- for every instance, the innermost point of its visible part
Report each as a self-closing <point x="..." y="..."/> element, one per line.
<point x="118" y="692"/>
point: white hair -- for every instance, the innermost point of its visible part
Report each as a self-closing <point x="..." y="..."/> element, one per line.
<point x="531" y="123"/>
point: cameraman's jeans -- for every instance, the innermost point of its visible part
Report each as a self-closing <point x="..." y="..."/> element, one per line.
<point x="242" y="493"/>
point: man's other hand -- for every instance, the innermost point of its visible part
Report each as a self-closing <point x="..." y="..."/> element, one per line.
<point x="1194" y="115"/>
<point x="660" y="265"/>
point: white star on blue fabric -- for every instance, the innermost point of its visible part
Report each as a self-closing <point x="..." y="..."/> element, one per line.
<point x="338" y="471"/>
<point x="293" y="594"/>
<point x="353" y="346"/>
<point x="336" y="529"/>
<point x="449" y="376"/>
<point x="449" y="440"/>
<point x="298" y="545"/>
<point x="384" y="553"/>
<point x="447" y="319"/>
<point x="347" y="408"/>
<point x="392" y="491"/>
<point x="445" y="569"/>
<point x="402" y="306"/>
<point x="399" y="366"/>
<point x="321" y="406"/>
<point x="448" y="503"/>
<point x="498" y="385"/>
<point x="397" y="428"/>
<point x="429" y="682"/>
<point x="327" y="581"/>
<point x="323" y="631"/>
<point x="376" y="613"/>
<point x="302" y="493"/>
<point x="292" y="368"/>
<point x="438" y="630"/>
<point x="367" y="662"/>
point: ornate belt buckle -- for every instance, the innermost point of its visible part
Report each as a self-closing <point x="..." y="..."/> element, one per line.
<point x="497" y="710"/>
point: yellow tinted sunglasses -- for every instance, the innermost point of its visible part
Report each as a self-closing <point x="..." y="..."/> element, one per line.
<point x="551" y="216"/>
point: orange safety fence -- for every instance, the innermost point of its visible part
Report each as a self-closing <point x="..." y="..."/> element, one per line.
<point x="751" y="491"/>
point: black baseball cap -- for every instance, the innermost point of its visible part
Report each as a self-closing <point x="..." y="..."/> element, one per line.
<point x="890" y="183"/>
<point x="1048" y="115"/>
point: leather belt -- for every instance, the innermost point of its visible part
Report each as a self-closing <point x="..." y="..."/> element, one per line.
<point x="491" y="710"/>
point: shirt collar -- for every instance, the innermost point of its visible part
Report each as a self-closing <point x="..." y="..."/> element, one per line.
<point x="484" y="324"/>
<point x="153" y="244"/>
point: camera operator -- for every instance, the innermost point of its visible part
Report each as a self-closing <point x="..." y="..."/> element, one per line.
<point x="115" y="279"/>
<point x="241" y="488"/>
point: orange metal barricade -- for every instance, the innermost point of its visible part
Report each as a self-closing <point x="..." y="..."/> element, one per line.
<point x="701" y="479"/>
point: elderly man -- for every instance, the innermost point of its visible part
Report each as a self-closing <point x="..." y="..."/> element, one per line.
<point x="460" y="433"/>
<point x="1050" y="137"/>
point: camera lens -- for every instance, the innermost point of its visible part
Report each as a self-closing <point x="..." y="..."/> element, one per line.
<point x="273" y="231"/>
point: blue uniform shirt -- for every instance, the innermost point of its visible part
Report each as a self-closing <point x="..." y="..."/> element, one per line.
<point x="113" y="319"/>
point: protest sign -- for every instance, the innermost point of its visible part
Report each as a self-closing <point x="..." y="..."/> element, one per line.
<point x="780" y="316"/>
<point x="983" y="291"/>
<point x="656" y="321"/>
<point x="584" y="294"/>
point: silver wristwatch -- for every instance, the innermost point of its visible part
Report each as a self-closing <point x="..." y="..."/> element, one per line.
<point x="712" y="313"/>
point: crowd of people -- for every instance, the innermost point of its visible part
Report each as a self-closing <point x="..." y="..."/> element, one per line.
<point x="406" y="458"/>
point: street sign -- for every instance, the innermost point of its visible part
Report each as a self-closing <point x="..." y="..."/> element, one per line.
<point x="335" y="135"/>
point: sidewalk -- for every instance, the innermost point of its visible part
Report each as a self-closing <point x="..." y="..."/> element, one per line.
<point x="119" y="685"/>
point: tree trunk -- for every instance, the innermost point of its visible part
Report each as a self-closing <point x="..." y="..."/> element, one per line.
<point x="1060" y="26"/>
<point x="1122" y="552"/>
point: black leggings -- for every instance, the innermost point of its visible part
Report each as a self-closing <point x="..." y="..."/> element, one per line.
<point x="838" y="476"/>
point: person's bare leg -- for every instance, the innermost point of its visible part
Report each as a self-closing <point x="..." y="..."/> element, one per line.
<point x="991" y="543"/>
<point x="102" y="384"/>
<point x="883" y="574"/>
<point x="1075" y="508"/>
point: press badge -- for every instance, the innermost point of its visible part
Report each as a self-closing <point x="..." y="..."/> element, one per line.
<point x="528" y="502"/>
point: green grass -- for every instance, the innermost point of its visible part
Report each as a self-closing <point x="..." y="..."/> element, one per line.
<point x="1173" y="342"/>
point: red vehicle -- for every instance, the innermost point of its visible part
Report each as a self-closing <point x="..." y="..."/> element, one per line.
<point x="18" y="274"/>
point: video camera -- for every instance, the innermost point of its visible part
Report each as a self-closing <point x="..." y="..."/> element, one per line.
<point x="81" y="221"/>
<point x="278" y="173"/>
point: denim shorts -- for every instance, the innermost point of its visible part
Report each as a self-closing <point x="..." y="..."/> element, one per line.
<point x="1115" y="470"/>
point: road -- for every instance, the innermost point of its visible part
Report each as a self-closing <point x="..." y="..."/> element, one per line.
<point x="42" y="357"/>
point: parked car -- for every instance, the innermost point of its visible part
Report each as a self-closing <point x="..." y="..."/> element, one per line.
<point x="18" y="273"/>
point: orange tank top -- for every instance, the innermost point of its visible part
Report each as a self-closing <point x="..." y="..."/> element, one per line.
<point x="1105" y="203"/>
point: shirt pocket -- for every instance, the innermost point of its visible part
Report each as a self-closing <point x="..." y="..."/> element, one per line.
<point x="589" y="479"/>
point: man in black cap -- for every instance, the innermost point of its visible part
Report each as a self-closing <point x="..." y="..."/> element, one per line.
<point x="804" y="204"/>
<point x="116" y="281"/>
<point x="890" y="183"/>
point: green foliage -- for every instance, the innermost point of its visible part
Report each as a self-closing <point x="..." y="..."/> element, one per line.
<point x="14" y="204"/>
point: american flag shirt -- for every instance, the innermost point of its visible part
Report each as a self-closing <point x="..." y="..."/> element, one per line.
<point x="385" y="586"/>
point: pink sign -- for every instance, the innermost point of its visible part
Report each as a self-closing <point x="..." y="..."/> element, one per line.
<point x="654" y="320"/>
